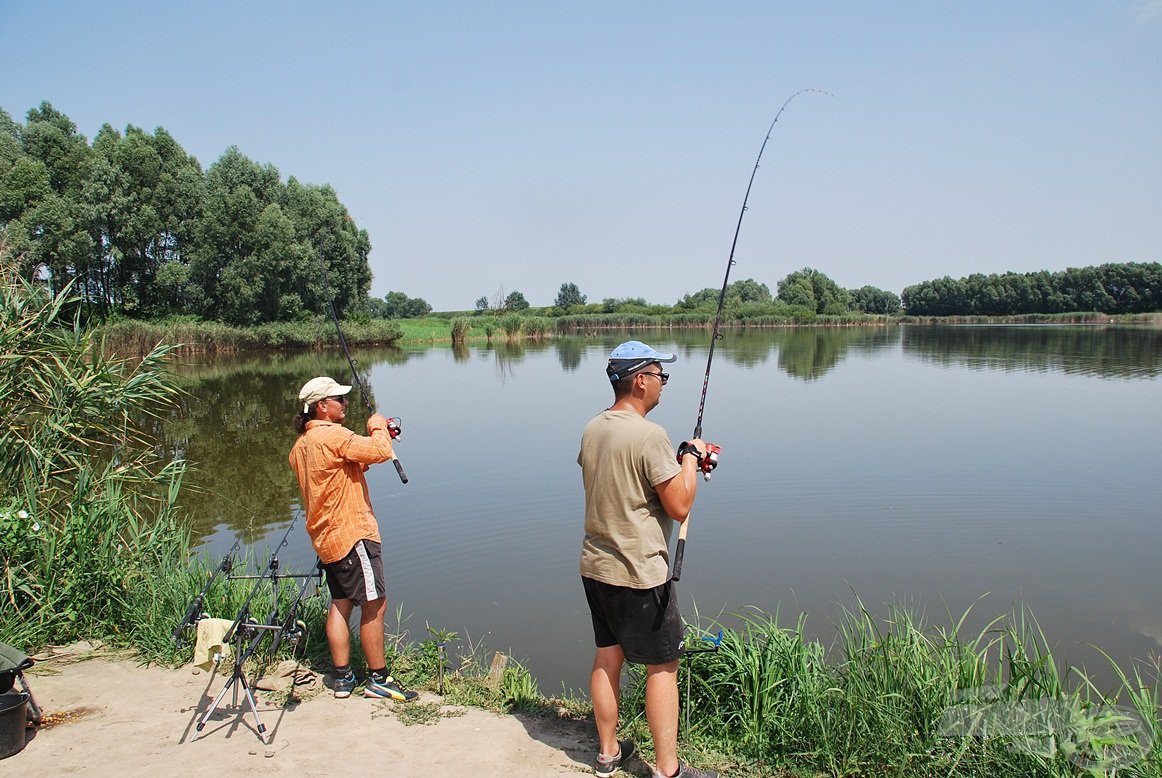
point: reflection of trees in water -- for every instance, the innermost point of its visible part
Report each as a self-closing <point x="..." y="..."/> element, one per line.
<point x="804" y="352"/>
<point x="236" y="447"/>
<point x="809" y="353"/>
<point x="236" y="434"/>
<point x="1109" y="352"/>
<point x="569" y="351"/>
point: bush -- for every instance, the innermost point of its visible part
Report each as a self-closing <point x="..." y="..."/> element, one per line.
<point x="460" y="326"/>
<point x="511" y="324"/>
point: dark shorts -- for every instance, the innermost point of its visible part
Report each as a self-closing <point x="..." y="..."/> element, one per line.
<point x="644" y="622"/>
<point x="357" y="576"/>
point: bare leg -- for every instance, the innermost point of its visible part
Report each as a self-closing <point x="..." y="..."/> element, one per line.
<point x="605" y="690"/>
<point x="338" y="631"/>
<point x="662" y="714"/>
<point x="371" y="631"/>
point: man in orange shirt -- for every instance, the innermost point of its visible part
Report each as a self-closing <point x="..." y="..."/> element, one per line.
<point x="329" y="460"/>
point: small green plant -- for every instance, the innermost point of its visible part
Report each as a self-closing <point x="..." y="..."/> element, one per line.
<point x="415" y="713"/>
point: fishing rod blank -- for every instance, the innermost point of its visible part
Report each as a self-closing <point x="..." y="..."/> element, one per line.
<point x="393" y="427"/>
<point x="716" y="335"/>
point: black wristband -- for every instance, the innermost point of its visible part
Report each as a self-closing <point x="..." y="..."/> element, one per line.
<point x="686" y="448"/>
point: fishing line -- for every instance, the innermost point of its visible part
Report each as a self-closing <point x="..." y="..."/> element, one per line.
<point x="716" y="334"/>
<point x="350" y="361"/>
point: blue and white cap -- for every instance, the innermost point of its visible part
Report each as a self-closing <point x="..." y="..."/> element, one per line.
<point x="632" y="356"/>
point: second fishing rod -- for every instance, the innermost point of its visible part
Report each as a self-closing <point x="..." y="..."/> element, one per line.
<point x="393" y="424"/>
<point x="708" y="459"/>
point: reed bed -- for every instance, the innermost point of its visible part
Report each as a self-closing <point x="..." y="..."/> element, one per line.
<point x="901" y="696"/>
<point x="136" y="337"/>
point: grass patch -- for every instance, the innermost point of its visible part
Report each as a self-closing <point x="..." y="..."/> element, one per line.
<point x="903" y="696"/>
<point x="415" y="713"/>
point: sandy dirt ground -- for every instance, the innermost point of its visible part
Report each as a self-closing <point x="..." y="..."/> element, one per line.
<point x="109" y="716"/>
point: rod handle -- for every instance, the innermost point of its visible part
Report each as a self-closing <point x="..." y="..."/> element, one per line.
<point x="680" y="551"/>
<point x="399" y="469"/>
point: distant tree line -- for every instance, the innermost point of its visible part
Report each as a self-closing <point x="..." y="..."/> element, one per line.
<point x="805" y="293"/>
<point x="134" y="221"/>
<point x="1128" y="287"/>
<point x="1116" y="288"/>
<point x="141" y="230"/>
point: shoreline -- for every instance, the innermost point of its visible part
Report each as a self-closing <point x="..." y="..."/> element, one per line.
<point x="213" y="337"/>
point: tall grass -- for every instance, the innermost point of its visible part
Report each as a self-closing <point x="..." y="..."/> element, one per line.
<point x="136" y="337"/>
<point x="511" y="324"/>
<point x="538" y="327"/>
<point x="905" y="697"/>
<point x="460" y="327"/>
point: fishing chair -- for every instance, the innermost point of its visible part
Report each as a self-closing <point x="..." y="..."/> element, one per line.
<point x="13" y="663"/>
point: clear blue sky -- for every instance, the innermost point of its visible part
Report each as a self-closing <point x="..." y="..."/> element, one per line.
<point x="525" y="144"/>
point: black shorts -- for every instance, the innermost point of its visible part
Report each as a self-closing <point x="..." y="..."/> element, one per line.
<point x="644" y="622"/>
<point x="357" y="576"/>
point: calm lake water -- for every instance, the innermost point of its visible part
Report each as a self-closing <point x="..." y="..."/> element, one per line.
<point x="934" y="466"/>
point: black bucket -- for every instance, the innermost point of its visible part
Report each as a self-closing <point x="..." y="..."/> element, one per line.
<point x="13" y="721"/>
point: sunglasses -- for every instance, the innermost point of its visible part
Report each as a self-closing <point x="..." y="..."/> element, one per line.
<point x="663" y="377"/>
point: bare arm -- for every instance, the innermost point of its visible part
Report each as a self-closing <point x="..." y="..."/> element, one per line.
<point x="677" y="494"/>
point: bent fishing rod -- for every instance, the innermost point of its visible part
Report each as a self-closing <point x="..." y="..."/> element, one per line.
<point x="393" y="425"/>
<point x="708" y="460"/>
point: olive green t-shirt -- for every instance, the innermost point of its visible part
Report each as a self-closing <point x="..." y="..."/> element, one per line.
<point x="627" y="532"/>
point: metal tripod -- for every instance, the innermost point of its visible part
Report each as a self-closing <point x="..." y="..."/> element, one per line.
<point x="238" y="676"/>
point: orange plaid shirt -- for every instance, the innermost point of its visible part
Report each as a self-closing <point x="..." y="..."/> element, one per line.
<point x="329" y="460"/>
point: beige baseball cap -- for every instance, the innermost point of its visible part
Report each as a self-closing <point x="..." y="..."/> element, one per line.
<point x="318" y="388"/>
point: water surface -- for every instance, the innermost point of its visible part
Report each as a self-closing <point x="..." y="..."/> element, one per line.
<point x="931" y="465"/>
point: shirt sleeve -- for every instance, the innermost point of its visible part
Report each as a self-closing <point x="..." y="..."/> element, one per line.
<point x="658" y="458"/>
<point x="368" y="450"/>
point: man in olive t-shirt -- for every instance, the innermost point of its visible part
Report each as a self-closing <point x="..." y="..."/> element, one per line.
<point x="635" y="490"/>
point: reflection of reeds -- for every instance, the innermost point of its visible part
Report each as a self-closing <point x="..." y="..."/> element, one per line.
<point x="880" y="700"/>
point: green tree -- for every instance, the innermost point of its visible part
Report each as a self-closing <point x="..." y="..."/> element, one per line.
<point x="43" y="166"/>
<point x="703" y="300"/>
<point x="569" y="295"/>
<point x="400" y="306"/>
<point x="147" y="195"/>
<point x="748" y="291"/>
<point x="135" y="223"/>
<point x="515" y="301"/>
<point x="811" y="289"/>
<point x="323" y="227"/>
<point x="482" y="305"/>
<point x="869" y="299"/>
